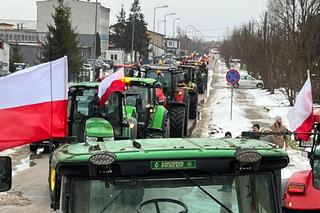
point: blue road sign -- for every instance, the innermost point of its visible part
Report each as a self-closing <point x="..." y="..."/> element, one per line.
<point x="233" y="76"/>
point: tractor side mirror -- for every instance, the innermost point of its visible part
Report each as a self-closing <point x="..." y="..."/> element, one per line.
<point x="139" y="105"/>
<point x="5" y="173"/>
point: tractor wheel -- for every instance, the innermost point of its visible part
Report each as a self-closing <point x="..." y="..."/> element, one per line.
<point x="33" y="148"/>
<point x="176" y="120"/>
<point x="193" y="106"/>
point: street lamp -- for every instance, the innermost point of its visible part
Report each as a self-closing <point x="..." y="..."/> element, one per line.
<point x="174" y="27"/>
<point x="187" y="28"/>
<point x="159" y="22"/>
<point x="154" y="26"/>
<point x="165" y="22"/>
<point x="95" y="39"/>
<point x="154" y="15"/>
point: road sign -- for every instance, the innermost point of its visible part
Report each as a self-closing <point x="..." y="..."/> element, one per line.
<point x="233" y="76"/>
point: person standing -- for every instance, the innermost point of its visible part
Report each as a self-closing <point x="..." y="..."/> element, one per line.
<point x="228" y="186"/>
<point x="280" y="139"/>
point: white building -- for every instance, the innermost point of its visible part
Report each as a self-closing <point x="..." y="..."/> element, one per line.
<point x="4" y="55"/>
<point x="82" y="18"/>
<point x="173" y="46"/>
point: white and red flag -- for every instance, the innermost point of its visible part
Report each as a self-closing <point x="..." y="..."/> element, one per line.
<point x="300" y="116"/>
<point x="33" y="104"/>
<point x="110" y="84"/>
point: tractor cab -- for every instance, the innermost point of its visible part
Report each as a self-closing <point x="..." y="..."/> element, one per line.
<point x="171" y="175"/>
<point x="197" y="75"/>
<point x="141" y="102"/>
<point x="87" y="120"/>
<point x="177" y="96"/>
<point x="130" y="70"/>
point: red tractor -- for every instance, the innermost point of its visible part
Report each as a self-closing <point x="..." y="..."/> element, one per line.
<point x="174" y="96"/>
<point x="300" y="195"/>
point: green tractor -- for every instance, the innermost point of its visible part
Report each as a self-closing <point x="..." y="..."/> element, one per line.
<point x="140" y="101"/>
<point x="86" y="119"/>
<point x="168" y="175"/>
<point x="198" y="73"/>
<point x="91" y="123"/>
<point x="176" y="97"/>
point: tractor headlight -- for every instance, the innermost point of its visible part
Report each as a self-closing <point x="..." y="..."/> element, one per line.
<point x="247" y="156"/>
<point x="108" y="139"/>
<point x="106" y="158"/>
<point x="91" y="139"/>
<point x="131" y="125"/>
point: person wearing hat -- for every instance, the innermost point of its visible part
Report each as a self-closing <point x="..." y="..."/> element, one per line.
<point x="280" y="140"/>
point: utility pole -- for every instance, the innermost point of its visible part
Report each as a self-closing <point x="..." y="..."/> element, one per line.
<point x="95" y="40"/>
<point x="132" y="36"/>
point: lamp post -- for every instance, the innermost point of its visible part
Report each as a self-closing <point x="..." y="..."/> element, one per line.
<point x="159" y="22"/>
<point x="154" y="15"/>
<point x="187" y="28"/>
<point x="154" y="26"/>
<point x="132" y="36"/>
<point x="174" y="26"/>
<point x="95" y="39"/>
<point x="165" y="22"/>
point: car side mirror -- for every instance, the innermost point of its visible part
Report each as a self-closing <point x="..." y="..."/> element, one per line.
<point x="5" y="173"/>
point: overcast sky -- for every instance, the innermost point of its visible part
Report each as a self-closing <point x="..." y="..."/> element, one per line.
<point x="218" y="15"/>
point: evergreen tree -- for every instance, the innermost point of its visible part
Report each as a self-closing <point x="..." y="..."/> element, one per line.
<point x="62" y="41"/>
<point x="141" y="40"/>
<point x="16" y="57"/>
<point x="119" y="28"/>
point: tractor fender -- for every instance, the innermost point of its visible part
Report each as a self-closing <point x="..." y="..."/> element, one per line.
<point x="171" y="104"/>
<point x="305" y="200"/>
<point x="158" y="117"/>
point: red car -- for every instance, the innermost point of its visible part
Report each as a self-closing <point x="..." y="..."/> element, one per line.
<point x="300" y="195"/>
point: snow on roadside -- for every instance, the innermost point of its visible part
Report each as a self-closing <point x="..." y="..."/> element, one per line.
<point x="272" y="105"/>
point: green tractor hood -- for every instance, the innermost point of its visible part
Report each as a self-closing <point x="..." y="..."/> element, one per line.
<point x="98" y="127"/>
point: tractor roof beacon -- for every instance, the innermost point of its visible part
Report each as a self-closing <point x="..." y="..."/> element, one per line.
<point x="167" y="175"/>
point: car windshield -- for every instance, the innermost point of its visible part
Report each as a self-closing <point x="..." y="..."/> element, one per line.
<point x="246" y="194"/>
<point x="133" y="92"/>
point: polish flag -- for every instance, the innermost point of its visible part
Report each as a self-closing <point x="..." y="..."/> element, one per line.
<point x="300" y="116"/>
<point x="33" y="104"/>
<point x="110" y="84"/>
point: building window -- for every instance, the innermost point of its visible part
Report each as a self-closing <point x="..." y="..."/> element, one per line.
<point x="111" y="56"/>
<point x="170" y="44"/>
<point x="115" y="57"/>
<point x="10" y="37"/>
<point x="29" y="37"/>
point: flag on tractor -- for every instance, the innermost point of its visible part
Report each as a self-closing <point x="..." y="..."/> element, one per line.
<point x="300" y="116"/>
<point x="110" y="84"/>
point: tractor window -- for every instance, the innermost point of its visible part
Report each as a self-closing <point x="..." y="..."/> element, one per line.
<point x="83" y="101"/>
<point x="242" y="194"/>
<point x="137" y="92"/>
<point x="164" y="78"/>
